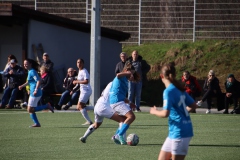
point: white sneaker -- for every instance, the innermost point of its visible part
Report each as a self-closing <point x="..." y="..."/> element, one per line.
<point x="24" y="105"/>
<point x="87" y="123"/>
<point x="199" y="103"/>
<point x="208" y="111"/>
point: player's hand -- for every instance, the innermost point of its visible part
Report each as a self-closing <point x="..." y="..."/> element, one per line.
<point x="153" y="110"/>
<point x="20" y="87"/>
<point x="34" y="93"/>
<point x="133" y="106"/>
<point x="75" y="82"/>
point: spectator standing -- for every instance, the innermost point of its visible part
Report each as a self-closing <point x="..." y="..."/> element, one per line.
<point x="121" y="64"/>
<point x="14" y="74"/>
<point x="46" y="85"/>
<point x="212" y="89"/>
<point x="135" y="87"/>
<point x="70" y="90"/>
<point x="47" y="62"/>
<point x="232" y="87"/>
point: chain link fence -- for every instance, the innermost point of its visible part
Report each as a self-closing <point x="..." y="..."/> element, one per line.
<point x="153" y="20"/>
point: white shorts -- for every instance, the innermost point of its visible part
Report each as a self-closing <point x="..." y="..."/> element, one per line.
<point x="176" y="146"/>
<point x="33" y="101"/>
<point x="121" y="108"/>
<point x="84" y="96"/>
<point x="102" y="110"/>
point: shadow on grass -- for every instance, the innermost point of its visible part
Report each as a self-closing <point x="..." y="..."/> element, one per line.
<point x="213" y="145"/>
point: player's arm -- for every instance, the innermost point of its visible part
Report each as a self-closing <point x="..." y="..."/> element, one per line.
<point x="191" y="107"/>
<point x="123" y="74"/>
<point x="163" y="113"/>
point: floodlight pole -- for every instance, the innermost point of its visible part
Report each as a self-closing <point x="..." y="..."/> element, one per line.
<point x="95" y="51"/>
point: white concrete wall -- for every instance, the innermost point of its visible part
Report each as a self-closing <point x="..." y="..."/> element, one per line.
<point x="10" y="43"/>
<point x="65" y="46"/>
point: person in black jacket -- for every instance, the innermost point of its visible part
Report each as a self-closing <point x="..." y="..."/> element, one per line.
<point x="71" y="90"/>
<point x="47" y="62"/>
<point x="120" y="65"/>
<point x="14" y="74"/>
<point x="212" y="89"/>
<point x="135" y="88"/>
<point x="232" y="92"/>
<point x="46" y="85"/>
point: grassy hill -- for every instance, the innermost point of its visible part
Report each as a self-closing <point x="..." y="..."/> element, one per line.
<point x="198" y="58"/>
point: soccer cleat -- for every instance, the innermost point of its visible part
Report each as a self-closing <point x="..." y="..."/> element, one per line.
<point x="50" y="107"/>
<point x="87" y="123"/>
<point x="35" y="125"/>
<point x="115" y="139"/>
<point x="82" y="139"/>
<point x="225" y="112"/>
<point x="199" y="103"/>
<point x="122" y="140"/>
<point x="138" y="110"/>
<point x="208" y="111"/>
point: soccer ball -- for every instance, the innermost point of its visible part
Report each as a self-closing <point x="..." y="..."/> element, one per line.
<point x="132" y="139"/>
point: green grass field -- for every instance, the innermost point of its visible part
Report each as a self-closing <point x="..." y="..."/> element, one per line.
<point x="217" y="137"/>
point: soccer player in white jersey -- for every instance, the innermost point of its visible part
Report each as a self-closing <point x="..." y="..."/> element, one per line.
<point x="85" y="90"/>
<point x="176" y="105"/>
<point x="117" y="98"/>
<point x="102" y="109"/>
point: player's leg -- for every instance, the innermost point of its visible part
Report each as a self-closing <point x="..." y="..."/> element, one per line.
<point x="165" y="153"/>
<point x="83" y="98"/>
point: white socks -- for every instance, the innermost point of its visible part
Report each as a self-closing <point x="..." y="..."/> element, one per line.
<point x="89" y="131"/>
<point x="85" y="115"/>
<point x="88" y="108"/>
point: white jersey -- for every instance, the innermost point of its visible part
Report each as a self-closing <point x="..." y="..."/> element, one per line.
<point x="105" y="95"/>
<point x="83" y="75"/>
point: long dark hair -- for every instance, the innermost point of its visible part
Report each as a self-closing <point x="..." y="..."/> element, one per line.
<point x="34" y="64"/>
<point x="169" y="72"/>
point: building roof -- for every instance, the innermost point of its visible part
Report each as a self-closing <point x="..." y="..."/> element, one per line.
<point x="15" y="14"/>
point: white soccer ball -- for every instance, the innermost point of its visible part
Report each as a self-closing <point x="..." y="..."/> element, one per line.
<point x="132" y="139"/>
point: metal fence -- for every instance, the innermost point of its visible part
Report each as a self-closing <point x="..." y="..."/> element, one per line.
<point x="153" y="20"/>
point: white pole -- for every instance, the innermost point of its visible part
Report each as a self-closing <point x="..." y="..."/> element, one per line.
<point x="35" y="4"/>
<point x="139" y="23"/>
<point x="95" y="51"/>
<point x="194" y="20"/>
<point x="86" y="11"/>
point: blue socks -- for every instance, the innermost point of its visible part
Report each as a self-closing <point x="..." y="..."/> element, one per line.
<point x="40" y="108"/>
<point x="123" y="129"/>
<point x="34" y="118"/>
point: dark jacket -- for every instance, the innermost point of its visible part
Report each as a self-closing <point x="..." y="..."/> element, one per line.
<point x="234" y="88"/>
<point x="140" y="64"/>
<point x="119" y="67"/>
<point x="48" y="64"/>
<point x="17" y="78"/>
<point x="68" y="83"/>
<point x="46" y="84"/>
<point x="213" y="86"/>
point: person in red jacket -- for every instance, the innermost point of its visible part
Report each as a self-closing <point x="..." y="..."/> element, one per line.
<point x="191" y="85"/>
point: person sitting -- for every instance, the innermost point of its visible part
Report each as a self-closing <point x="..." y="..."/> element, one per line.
<point x="47" y="62"/>
<point x="71" y="90"/>
<point x="212" y="89"/>
<point x="46" y="85"/>
<point x="232" y="92"/>
<point x="191" y="86"/>
<point x="14" y="74"/>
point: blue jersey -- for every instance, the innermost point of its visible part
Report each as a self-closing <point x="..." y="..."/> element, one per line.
<point x="118" y="90"/>
<point x="174" y="100"/>
<point x="32" y="78"/>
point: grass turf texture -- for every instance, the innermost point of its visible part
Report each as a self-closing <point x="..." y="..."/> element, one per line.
<point x="216" y="137"/>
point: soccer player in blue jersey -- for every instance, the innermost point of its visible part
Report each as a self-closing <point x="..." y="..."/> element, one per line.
<point x="33" y="80"/>
<point x="176" y="105"/>
<point x="118" y="98"/>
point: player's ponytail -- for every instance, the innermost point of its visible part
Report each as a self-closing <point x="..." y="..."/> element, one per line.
<point x="169" y="72"/>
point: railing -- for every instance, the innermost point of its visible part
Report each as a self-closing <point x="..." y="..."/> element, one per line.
<point x="153" y="20"/>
